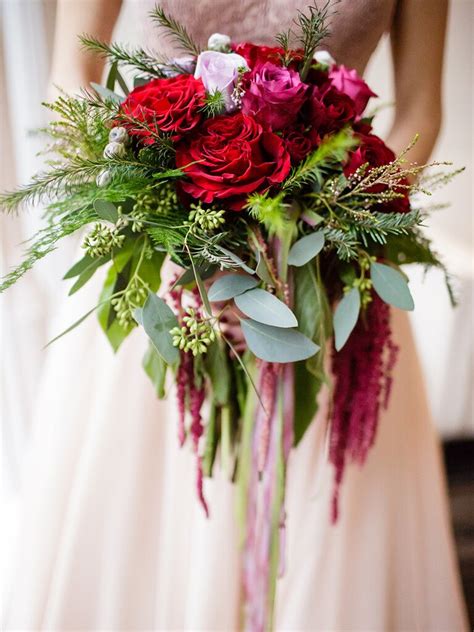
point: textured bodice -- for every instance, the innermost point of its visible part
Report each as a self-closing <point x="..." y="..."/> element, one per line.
<point x="356" y="25"/>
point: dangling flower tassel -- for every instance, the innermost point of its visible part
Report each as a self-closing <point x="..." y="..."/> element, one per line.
<point x="362" y="373"/>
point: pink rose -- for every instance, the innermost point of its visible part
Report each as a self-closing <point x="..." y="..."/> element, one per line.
<point x="219" y="73"/>
<point x="273" y="95"/>
<point x="349" y="82"/>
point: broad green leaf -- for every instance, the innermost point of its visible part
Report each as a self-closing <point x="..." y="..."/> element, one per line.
<point x="210" y="448"/>
<point x="106" y="211"/>
<point x="115" y="281"/>
<point x="188" y="275"/>
<point x="106" y="94"/>
<point x="391" y="286"/>
<point x="306" y="249"/>
<point x="275" y="344"/>
<point x="218" y="370"/>
<point x="202" y="289"/>
<point x="111" y="77"/>
<point x="306" y="406"/>
<point x="262" y="270"/>
<point x="230" y="285"/>
<point x="266" y="308"/>
<point x="83" y="264"/>
<point x="345" y="317"/>
<point x="87" y="273"/>
<point x="158" y="320"/>
<point x="155" y="367"/>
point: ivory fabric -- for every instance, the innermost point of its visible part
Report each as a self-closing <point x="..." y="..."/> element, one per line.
<point x="113" y="537"/>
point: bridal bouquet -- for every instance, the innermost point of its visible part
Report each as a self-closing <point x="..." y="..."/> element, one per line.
<point x="256" y="172"/>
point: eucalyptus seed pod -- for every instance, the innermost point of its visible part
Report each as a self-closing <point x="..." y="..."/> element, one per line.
<point x="119" y="135"/>
<point x="114" y="150"/>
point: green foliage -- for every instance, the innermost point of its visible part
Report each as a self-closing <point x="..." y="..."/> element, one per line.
<point x="155" y="367"/>
<point x="270" y="211"/>
<point x="312" y="170"/>
<point x="214" y="104"/>
<point x="175" y="31"/>
<point x="45" y="241"/>
<point x="136" y="58"/>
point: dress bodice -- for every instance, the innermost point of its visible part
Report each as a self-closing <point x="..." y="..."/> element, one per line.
<point x="356" y="25"/>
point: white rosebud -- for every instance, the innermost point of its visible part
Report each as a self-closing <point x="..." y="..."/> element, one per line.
<point x="119" y="135"/>
<point x="114" y="150"/>
<point x="219" y="42"/>
<point x="323" y="57"/>
<point x="103" y="179"/>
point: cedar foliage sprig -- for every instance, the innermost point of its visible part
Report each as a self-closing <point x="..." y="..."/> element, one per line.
<point x="175" y="31"/>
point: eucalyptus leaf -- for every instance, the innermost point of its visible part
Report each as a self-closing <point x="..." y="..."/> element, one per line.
<point x="306" y="249"/>
<point x="106" y="211"/>
<point x="345" y="317"/>
<point x="158" y="320"/>
<point x="155" y="367"/>
<point x="218" y="370"/>
<point x="391" y="286"/>
<point x="265" y="308"/>
<point x="230" y="285"/>
<point x="106" y="94"/>
<point x="275" y="344"/>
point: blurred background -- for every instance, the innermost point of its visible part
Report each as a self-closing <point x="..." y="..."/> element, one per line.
<point x="444" y="336"/>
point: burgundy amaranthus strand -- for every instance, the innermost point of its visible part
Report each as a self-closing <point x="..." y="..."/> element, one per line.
<point x="362" y="374"/>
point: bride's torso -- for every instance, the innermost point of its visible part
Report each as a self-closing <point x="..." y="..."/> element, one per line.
<point x="356" y="25"/>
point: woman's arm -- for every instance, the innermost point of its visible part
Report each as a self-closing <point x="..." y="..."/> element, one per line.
<point x="73" y="67"/>
<point x="417" y="37"/>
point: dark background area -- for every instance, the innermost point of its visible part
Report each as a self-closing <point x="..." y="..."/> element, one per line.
<point x="459" y="457"/>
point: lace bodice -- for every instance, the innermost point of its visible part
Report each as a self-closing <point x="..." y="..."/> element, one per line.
<point x="356" y="25"/>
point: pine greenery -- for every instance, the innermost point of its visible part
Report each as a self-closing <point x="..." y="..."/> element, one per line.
<point x="175" y="31"/>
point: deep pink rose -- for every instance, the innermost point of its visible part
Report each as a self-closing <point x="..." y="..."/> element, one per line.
<point x="329" y="109"/>
<point x="230" y="157"/>
<point x="273" y="96"/>
<point x="349" y="82"/>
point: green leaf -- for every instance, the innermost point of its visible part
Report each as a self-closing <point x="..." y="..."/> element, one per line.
<point x="230" y="285"/>
<point x="74" y="325"/>
<point x="80" y="266"/>
<point x="188" y="275"/>
<point x="158" y="320"/>
<point x="111" y="77"/>
<point x="345" y="317"/>
<point x="306" y="406"/>
<point x="218" y="370"/>
<point x="274" y="344"/>
<point x="210" y="448"/>
<point x="106" y="211"/>
<point x="87" y="273"/>
<point x="266" y="308"/>
<point x="306" y="249"/>
<point x="115" y="281"/>
<point x="201" y="288"/>
<point x="262" y="270"/>
<point x="235" y="258"/>
<point x="391" y="286"/>
<point x="106" y="94"/>
<point x="155" y="367"/>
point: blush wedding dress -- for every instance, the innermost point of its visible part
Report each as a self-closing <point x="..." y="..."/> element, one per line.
<point x="113" y="537"/>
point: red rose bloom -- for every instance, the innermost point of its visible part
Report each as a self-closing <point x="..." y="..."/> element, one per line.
<point x="329" y="109"/>
<point x="166" y="105"/>
<point x="300" y="142"/>
<point x="373" y="151"/>
<point x="231" y="157"/>
<point x="256" y="56"/>
<point x="273" y="96"/>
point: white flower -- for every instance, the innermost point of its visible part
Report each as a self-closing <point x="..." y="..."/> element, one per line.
<point x="219" y="42"/>
<point x="104" y="178"/>
<point x="219" y="72"/>
<point x="323" y="57"/>
<point x="114" y="150"/>
<point x="118" y="135"/>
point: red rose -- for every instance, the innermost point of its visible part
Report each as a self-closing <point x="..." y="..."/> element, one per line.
<point x="349" y="82"/>
<point x="300" y="142"/>
<point x="273" y="95"/>
<point x="256" y="55"/>
<point x="329" y="109"/>
<point x="231" y="157"/>
<point x="373" y="151"/>
<point x="169" y="105"/>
